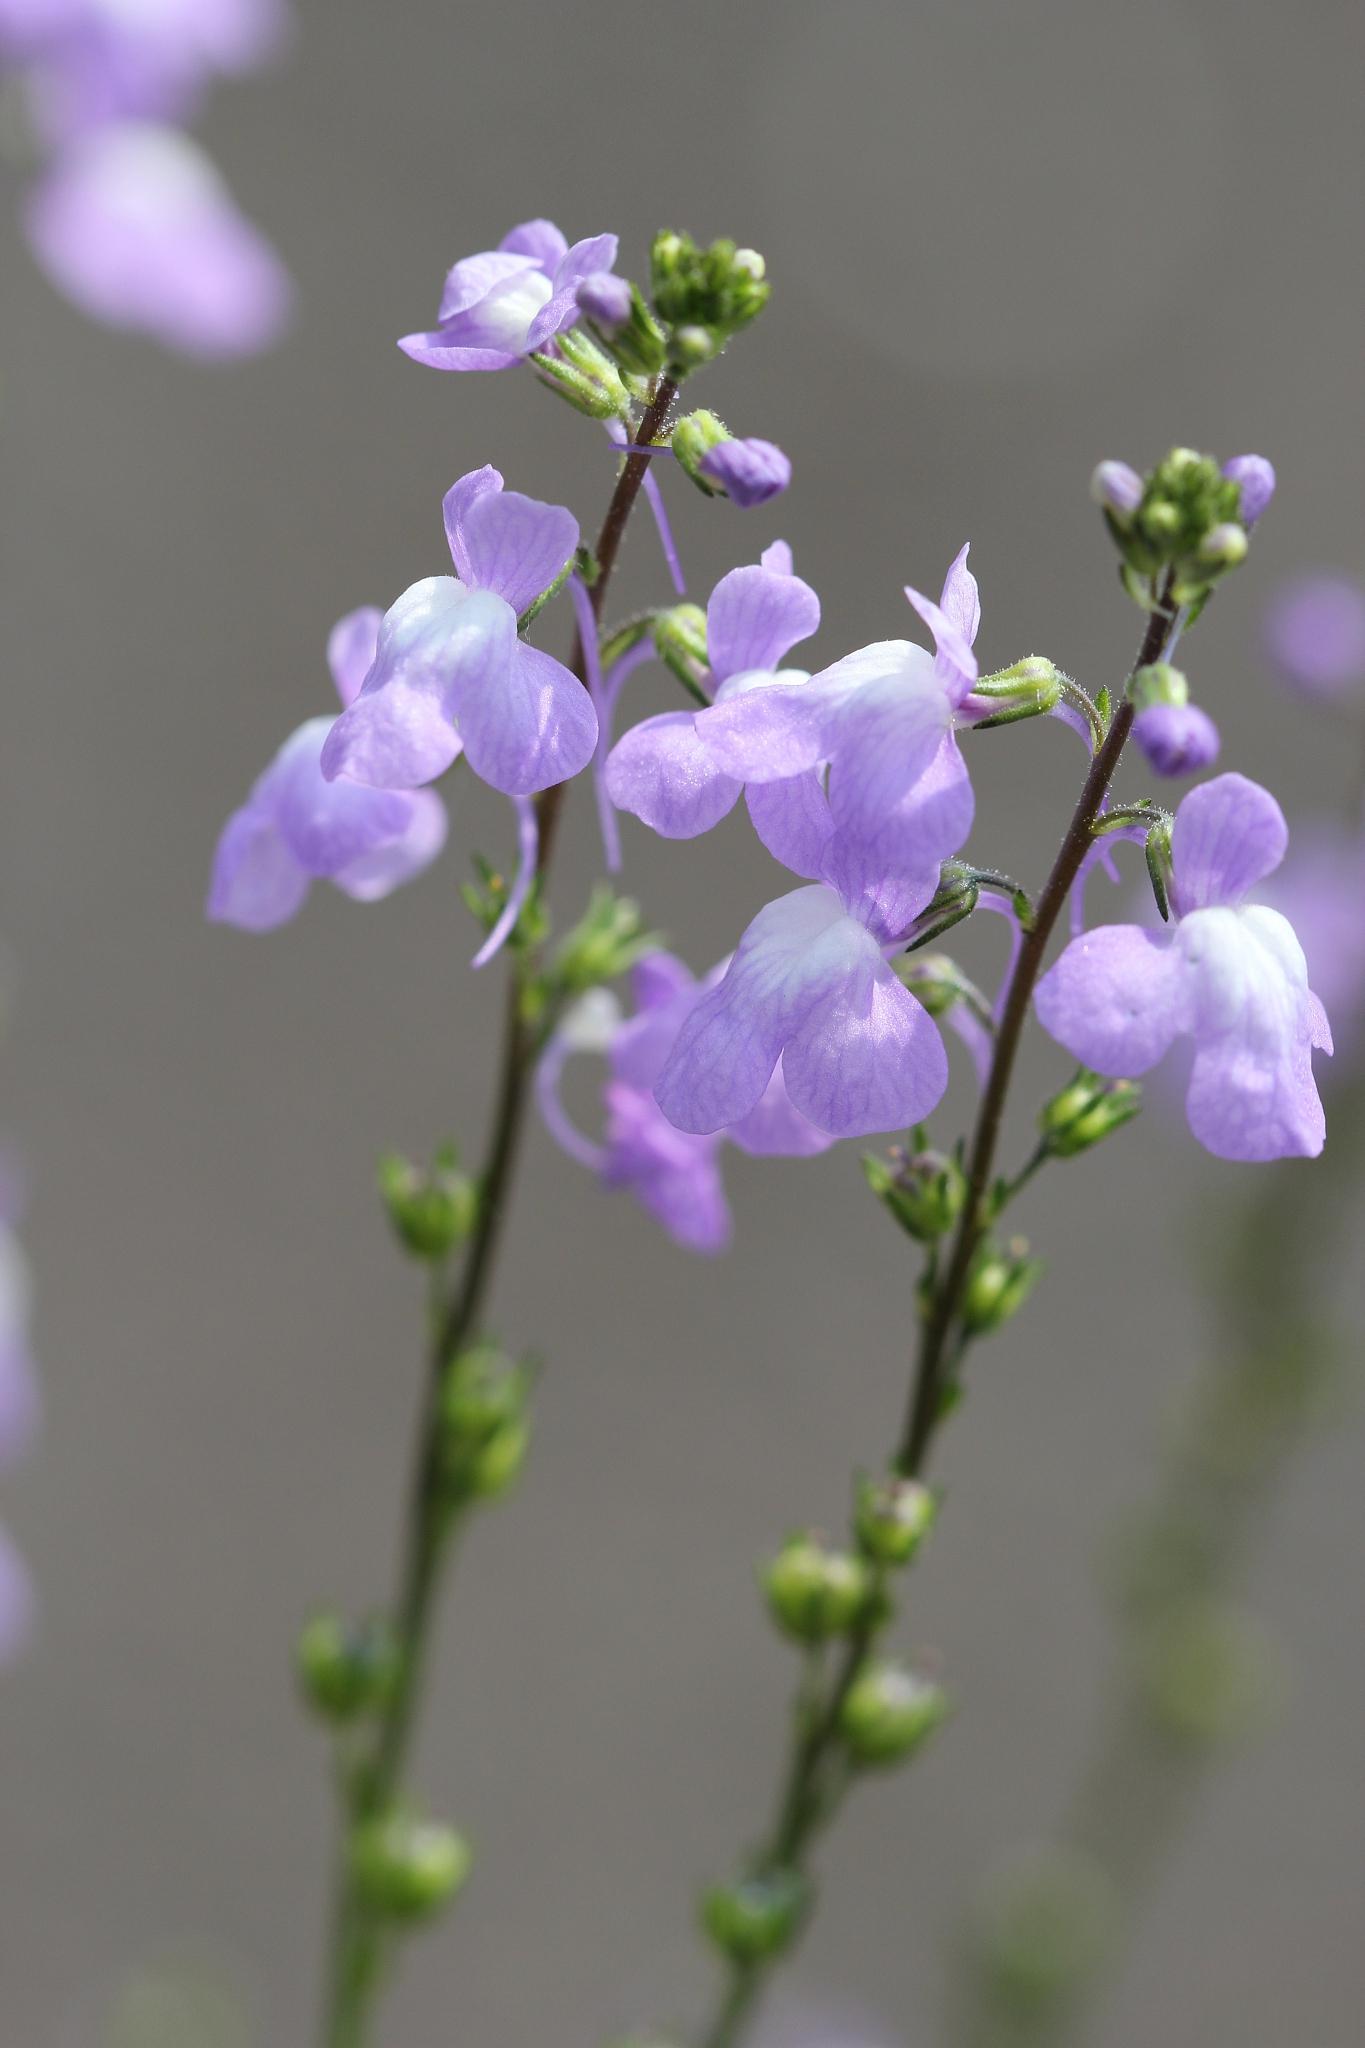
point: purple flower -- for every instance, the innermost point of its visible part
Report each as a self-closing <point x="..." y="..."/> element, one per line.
<point x="750" y="472"/>
<point x="18" y="1378"/>
<point x="505" y="303"/>
<point x="451" y="673"/>
<point x="809" y="985"/>
<point x="1255" y="477"/>
<point x="673" y="1174"/>
<point x="1315" y="632"/>
<point x="136" y="227"/>
<point x="882" y="719"/>
<point x="662" y="770"/>
<point x="605" y="298"/>
<point x="296" y="827"/>
<point x="1177" y="739"/>
<point x="1231" y="975"/>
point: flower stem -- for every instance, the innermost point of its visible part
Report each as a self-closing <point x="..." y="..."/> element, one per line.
<point x="355" y="1968"/>
<point x="812" y="1788"/>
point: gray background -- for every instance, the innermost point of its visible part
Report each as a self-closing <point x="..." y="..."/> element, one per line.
<point x="1005" y="241"/>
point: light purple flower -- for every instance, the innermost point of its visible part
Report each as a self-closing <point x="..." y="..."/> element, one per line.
<point x="661" y="770"/>
<point x="882" y="719"/>
<point x="1231" y="975"/>
<point x="500" y="306"/>
<point x="1255" y="478"/>
<point x="673" y="1174"/>
<point x="1176" y="739"/>
<point x="1315" y="632"/>
<point x="451" y="673"/>
<point x="750" y="472"/>
<point x="604" y="298"/>
<point x="296" y="827"/>
<point x="18" y="1377"/>
<point x="135" y="226"/>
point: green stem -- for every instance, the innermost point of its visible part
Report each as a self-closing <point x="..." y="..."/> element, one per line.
<point x="354" y="1970"/>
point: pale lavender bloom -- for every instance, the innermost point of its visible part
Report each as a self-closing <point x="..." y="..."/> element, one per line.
<point x="1321" y="890"/>
<point x="661" y="770"/>
<point x="1176" y="739"/>
<point x="1255" y="478"/>
<point x="136" y="227"/>
<point x="503" y="304"/>
<point x="883" y="720"/>
<point x="451" y="673"/>
<point x="673" y="1174"/>
<point x="750" y="472"/>
<point x="1231" y="975"/>
<point x="1118" y="488"/>
<point x="296" y="827"/>
<point x="1315" y="633"/>
<point x="18" y="1377"/>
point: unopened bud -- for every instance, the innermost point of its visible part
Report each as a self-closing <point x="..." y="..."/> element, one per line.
<point x="757" y="1917"/>
<point x="1176" y="739"/>
<point x="813" y="1592"/>
<point x="1000" y="1282"/>
<point x="1255" y="479"/>
<point x="405" y="1869"/>
<point x="1158" y="683"/>
<point x="346" y="1672"/>
<point x="888" y="1712"/>
<point x="892" y="1518"/>
<point x="924" y="1193"/>
<point x="604" y="299"/>
<point x="431" y="1211"/>
<point x="583" y="374"/>
<point x="680" y="642"/>
<point x="1224" y="545"/>
<point x="484" y="1425"/>
<point x="1117" y="488"/>
<point x="622" y="323"/>
<point x="693" y="439"/>
<point x="1085" y="1112"/>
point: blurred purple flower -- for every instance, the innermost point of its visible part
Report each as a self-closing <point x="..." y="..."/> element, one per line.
<point x="1231" y="975"/>
<point x="1321" y="890"/>
<point x="18" y="1402"/>
<point x="1315" y="634"/>
<point x="503" y="304"/>
<point x="135" y="226"/>
<point x="16" y="1601"/>
<point x="750" y="472"/>
<point x="1176" y="739"/>
<point x="296" y="828"/>
<point x="451" y="673"/>
<point x="673" y="1174"/>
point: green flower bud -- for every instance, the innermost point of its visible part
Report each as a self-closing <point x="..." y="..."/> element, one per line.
<point x="1087" y="1110"/>
<point x="431" y="1212"/>
<point x="924" y="1193"/>
<point x="888" y="1712"/>
<point x="638" y="343"/>
<point x="407" y="1869"/>
<point x="484" y="1426"/>
<point x="1158" y="683"/>
<point x="584" y="375"/>
<point x="757" y="1917"/>
<point x="814" y="1592"/>
<point x="346" y="1672"/>
<point x="680" y="642"/>
<point x="1000" y="1282"/>
<point x="704" y="295"/>
<point x="891" y="1518"/>
<point x="1225" y="546"/>
<point x="693" y="439"/>
<point x="606" y="942"/>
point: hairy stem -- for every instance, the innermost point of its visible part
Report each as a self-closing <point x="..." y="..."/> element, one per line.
<point x="354" y="1967"/>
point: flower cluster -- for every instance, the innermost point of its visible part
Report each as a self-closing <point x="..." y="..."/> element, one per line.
<point x="128" y="216"/>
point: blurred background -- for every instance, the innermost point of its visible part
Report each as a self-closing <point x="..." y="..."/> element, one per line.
<point x="1004" y="242"/>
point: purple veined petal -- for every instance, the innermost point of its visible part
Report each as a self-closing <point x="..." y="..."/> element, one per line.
<point x="665" y="993"/>
<point x="256" y="882"/>
<point x="663" y="775"/>
<point x="135" y="225"/>
<point x="777" y="557"/>
<point x="328" y="825"/>
<point x="471" y="280"/>
<point x="755" y="615"/>
<point x="960" y="600"/>
<point x="750" y="472"/>
<point x="555" y="316"/>
<point x="591" y="254"/>
<point x="376" y="874"/>
<point x="16" y="1601"/>
<point x="793" y="820"/>
<point x="1244" y="1104"/>
<point x="1116" y="999"/>
<point x="351" y="647"/>
<point x="437" y="352"/>
<point x="867" y="1057"/>
<point x="955" y="662"/>
<point x="514" y="546"/>
<point x="1229" y="834"/>
<point x="438" y="640"/>
<point x="767" y="734"/>
<point x="659" y="979"/>
<point x="794" y="952"/>
<point x="887" y="868"/>
<point x="456" y="506"/>
<point x="527" y="727"/>
<point x="1252" y="1095"/>
<point x="540" y="240"/>
<point x="675" y="1177"/>
<point x="881" y="741"/>
<point x="776" y="1129"/>
<point x="528" y="851"/>
<point x="883" y="897"/>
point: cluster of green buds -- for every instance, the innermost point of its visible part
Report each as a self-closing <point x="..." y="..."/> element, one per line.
<point x="1086" y="1112"/>
<point x="405" y="1869"/>
<point x="1000" y="1281"/>
<point x="924" y="1191"/>
<point x="1184" y="519"/>
<point x="757" y="1917"/>
<point x="433" y="1210"/>
<point x="703" y="296"/>
<point x="605" y="943"/>
<point x="484" y="1425"/>
<point x="586" y="374"/>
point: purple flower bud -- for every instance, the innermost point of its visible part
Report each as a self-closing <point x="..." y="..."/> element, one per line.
<point x="1255" y="478"/>
<point x="605" y="299"/>
<point x="1177" y="739"/>
<point x="1118" y="488"/>
<point x="1315" y="634"/>
<point x="749" y="472"/>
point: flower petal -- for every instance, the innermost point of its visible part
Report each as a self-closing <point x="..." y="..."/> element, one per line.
<point x="766" y="734"/>
<point x="438" y="351"/>
<point x="955" y="663"/>
<point x="592" y="253"/>
<point x="514" y="546"/>
<point x="793" y="820"/>
<point x="676" y="1178"/>
<point x="887" y="871"/>
<point x="960" y="600"/>
<point x="754" y="615"/>
<point x="775" y="1128"/>
<point x="383" y="869"/>
<point x="326" y="825"/>
<point x="661" y="772"/>
<point x="472" y="279"/>
<point x="868" y="1057"/>
<point x="1229" y="834"/>
<point x="540" y="240"/>
<point x="436" y="640"/>
<point x="527" y="726"/>
<point x="456" y="506"/>
<point x="256" y="883"/>
<point x="351" y="647"/>
<point x="882" y="738"/>
<point x="1116" y="999"/>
